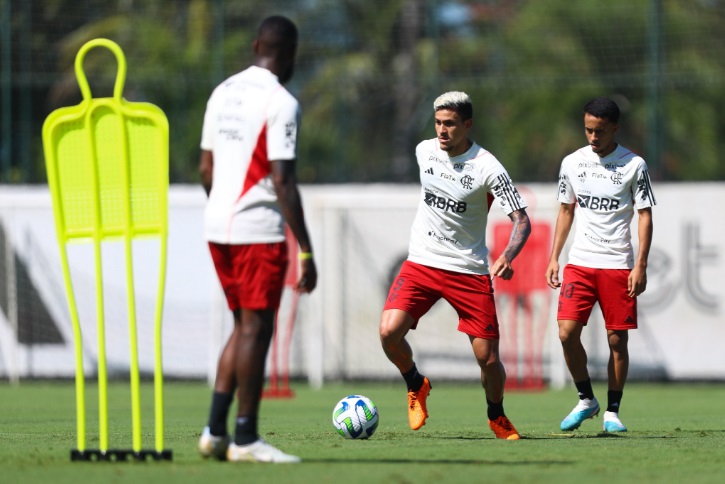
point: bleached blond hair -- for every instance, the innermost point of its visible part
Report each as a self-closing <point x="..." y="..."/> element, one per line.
<point x="456" y="101"/>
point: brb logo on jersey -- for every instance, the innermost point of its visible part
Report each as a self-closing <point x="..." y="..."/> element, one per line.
<point x="596" y="203"/>
<point x="444" y="203"/>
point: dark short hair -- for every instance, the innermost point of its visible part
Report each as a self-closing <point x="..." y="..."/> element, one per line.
<point x="604" y="108"/>
<point x="280" y="28"/>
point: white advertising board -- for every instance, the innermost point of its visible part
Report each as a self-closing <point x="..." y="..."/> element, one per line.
<point x="360" y="234"/>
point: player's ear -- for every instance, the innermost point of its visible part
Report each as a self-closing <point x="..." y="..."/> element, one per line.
<point x="468" y="123"/>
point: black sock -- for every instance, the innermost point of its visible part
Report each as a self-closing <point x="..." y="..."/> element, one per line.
<point x="585" y="389"/>
<point x="613" y="401"/>
<point x="495" y="410"/>
<point x="220" y="403"/>
<point x="246" y="430"/>
<point x="413" y="379"/>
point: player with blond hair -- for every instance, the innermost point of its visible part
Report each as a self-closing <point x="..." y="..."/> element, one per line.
<point x="448" y="257"/>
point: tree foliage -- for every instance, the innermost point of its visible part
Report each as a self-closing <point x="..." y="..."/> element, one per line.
<point x="369" y="70"/>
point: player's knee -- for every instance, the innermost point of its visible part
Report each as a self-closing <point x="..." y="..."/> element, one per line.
<point x="393" y="327"/>
<point x="567" y="337"/>
<point x="618" y="342"/>
<point x="259" y="331"/>
<point x="491" y="365"/>
<point x="388" y="337"/>
<point x="487" y="357"/>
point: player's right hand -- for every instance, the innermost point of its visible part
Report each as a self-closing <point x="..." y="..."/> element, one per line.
<point x="502" y="268"/>
<point x="552" y="275"/>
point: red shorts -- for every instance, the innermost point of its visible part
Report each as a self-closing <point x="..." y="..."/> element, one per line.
<point x="581" y="287"/>
<point x="252" y="276"/>
<point x="418" y="287"/>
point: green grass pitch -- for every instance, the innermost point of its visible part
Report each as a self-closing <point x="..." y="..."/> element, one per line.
<point x="677" y="434"/>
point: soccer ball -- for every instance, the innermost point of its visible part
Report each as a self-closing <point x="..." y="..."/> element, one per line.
<point x="355" y="417"/>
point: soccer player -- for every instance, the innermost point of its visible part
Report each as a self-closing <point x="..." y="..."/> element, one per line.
<point x="448" y="257"/>
<point x="247" y="168"/>
<point x="606" y="183"/>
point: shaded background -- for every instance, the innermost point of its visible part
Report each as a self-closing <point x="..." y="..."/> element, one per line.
<point x="369" y="70"/>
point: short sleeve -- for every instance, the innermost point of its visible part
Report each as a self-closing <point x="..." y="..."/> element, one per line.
<point x="564" y="191"/>
<point x="505" y="194"/>
<point x="283" y="120"/>
<point x="643" y="195"/>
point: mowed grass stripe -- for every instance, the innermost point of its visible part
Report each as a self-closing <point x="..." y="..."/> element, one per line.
<point x="676" y="434"/>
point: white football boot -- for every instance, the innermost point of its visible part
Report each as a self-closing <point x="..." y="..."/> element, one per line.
<point x="259" y="451"/>
<point x="213" y="445"/>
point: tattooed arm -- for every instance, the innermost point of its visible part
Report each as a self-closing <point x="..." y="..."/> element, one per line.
<point x="519" y="233"/>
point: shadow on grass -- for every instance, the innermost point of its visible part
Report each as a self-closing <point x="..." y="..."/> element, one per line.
<point x="702" y="433"/>
<point x="564" y="436"/>
<point x="434" y="461"/>
<point x="600" y="435"/>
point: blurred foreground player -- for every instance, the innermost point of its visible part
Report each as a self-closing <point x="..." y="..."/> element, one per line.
<point x="247" y="167"/>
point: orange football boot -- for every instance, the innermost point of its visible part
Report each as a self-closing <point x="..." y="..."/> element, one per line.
<point x="503" y="428"/>
<point x="417" y="412"/>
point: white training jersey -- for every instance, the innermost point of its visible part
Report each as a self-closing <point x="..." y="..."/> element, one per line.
<point x="606" y="192"/>
<point x="250" y="119"/>
<point x="449" y="230"/>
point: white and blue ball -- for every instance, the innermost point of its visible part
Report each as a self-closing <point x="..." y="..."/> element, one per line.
<point x="355" y="417"/>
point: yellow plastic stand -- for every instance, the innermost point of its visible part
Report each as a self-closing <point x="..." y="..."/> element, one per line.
<point x="108" y="172"/>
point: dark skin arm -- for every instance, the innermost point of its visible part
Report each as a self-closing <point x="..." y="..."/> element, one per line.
<point x="285" y="186"/>
<point x="519" y="234"/>
<point x="284" y="180"/>
<point x="206" y="168"/>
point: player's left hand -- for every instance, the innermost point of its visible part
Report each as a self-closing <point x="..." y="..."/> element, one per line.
<point x="637" y="282"/>
<point x="308" y="276"/>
